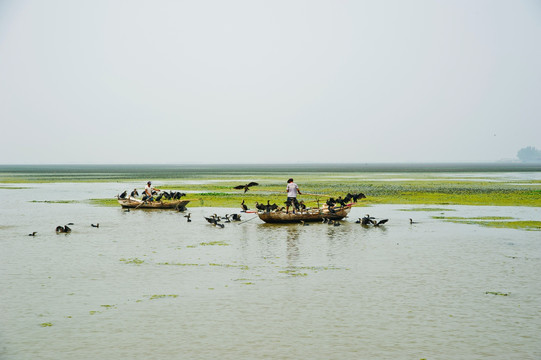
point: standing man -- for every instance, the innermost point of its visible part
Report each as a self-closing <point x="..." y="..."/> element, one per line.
<point x="292" y="191"/>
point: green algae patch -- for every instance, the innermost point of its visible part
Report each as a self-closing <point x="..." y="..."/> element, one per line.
<point x="502" y="222"/>
<point x="428" y="209"/>
<point x="497" y="293"/>
<point x="214" y="243"/>
<point x="46" y="324"/>
<point x="459" y="218"/>
<point x="135" y="261"/>
<point x="519" y="225"/>
<point x="179" y="264"/>
<point x="154" y="297"/>
<point x="293" y="273"/>
<point x="242" y="267"/>
<point x="105" y="202"/>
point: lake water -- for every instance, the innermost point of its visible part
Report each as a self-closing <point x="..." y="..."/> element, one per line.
<point x="150" y="285"/>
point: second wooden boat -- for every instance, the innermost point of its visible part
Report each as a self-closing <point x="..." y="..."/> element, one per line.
<point x="310" y="215"/>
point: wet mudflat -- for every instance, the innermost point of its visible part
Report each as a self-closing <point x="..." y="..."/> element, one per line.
<point x="148" y="284"/>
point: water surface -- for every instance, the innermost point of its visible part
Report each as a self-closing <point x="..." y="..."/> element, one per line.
<point x="150" y="285"/>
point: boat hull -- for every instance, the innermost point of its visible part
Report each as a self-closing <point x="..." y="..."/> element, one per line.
<point x="313" y="215"/>
<point x="139" y="204"/>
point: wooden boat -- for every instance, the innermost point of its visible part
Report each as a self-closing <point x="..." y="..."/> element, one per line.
<point x="310" y="215"/>
<point x="132" y="203"/>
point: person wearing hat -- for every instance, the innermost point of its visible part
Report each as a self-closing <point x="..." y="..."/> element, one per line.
<point x="149" y="189"/>
<point x="292" y="190"/>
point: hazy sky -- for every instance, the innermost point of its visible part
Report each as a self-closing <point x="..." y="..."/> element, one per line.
<point x="268" y="81"/>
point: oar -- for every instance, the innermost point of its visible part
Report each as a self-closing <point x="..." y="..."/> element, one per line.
<point x="242" y="222"/>
<point x="140" y="205"/>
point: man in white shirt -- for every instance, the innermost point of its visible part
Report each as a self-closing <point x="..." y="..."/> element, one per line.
<point x="149" y="189"/>
<point x="292" y="191"/>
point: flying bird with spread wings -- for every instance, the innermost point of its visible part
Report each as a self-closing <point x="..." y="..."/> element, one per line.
<point x="246" y="187"/>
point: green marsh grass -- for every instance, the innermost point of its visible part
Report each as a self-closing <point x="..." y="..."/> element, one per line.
<point x="212" y="186"/>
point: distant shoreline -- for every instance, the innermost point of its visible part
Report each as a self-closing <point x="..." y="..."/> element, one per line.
<point x="258" y="168"/>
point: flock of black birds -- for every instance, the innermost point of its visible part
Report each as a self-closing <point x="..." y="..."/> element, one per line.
<point x="370" y="220"/>
<point x="166" y="195"/>
<point x="353" y="198"/>
<point x="216" y="220"/>
<point x="331" y="203"/>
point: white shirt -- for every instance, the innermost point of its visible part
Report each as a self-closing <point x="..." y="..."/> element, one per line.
<point x="292" y="189"/>
<point x="148" y="190"/>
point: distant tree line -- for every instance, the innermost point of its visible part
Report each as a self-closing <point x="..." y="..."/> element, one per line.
<point x="529" y="154"/>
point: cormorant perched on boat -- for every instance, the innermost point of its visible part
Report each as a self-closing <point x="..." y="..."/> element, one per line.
<point x="246" y="186"/>
<point x="123" y="195"/>
<point x="259" y="206"/>
<point x="358" y="196"/>
<point x="188" y="217"/>
<point x="134" y="193"/>
<point x="302" y="205"/>
<point x="341" y="201"/>
<point x="244" y="206"/>
<point x="178" y="195"/>
<point x="33" y="233"/>
<point x="159" y="197"/>
<point x="378" y="223"/>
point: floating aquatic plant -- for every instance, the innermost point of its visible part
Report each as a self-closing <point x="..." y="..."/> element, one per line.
<point x="494" y="222"/>
<point x="427" y="209"/>
<point x="154" y="297"/>
<point x="135" y="261"/>
<point x="212" y="243"/>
